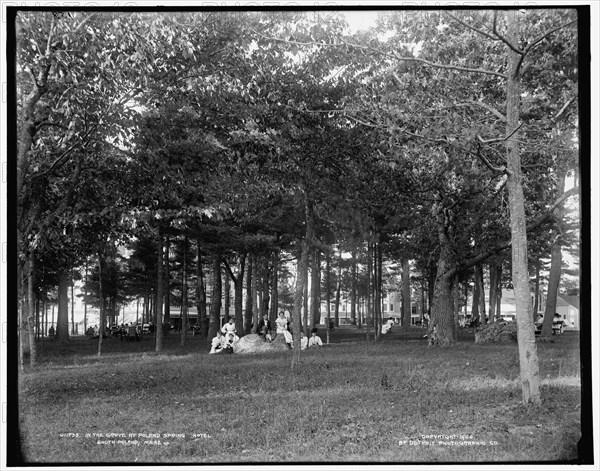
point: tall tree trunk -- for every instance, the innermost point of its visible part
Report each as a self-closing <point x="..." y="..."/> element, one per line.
<point x="158" y="308"/>
<point x="406" y="309"/>
<point x="62" y="328"/>
<point x="102" y="301"/>
<point x="316" y="289"/>
<point x="200" y="293"/>
<point x="369" y="288"/>
<point x="338" y="289"/>
<point x="226" y="298"/>
<point x="264" y="288"/>
<point x="456" y="302"/>
<point x="184" y="297"/>
<point x="536" y="300"/>
<point x="215" y="299"/>
<point x="353" y="287"/>
<point x="30" y="314"/>
<point x="274" y="308"/>
<point x="476" y="295"/>
<point x="528" y="357"/>
<point x="380" y="285"/>
<point x="301" y="278"/>
<point x="249" y="300"/>
<point x="479" y="279"/>
<point x="72" y="304"/>
<point x="167" y="285"/>
<point x="499" y="291"/>
<point x="553" y="283"/>
<point x="85" y="297"/>
<point x="305" y="306"/>
<point x="239" y="296"/>
<point x="328" y="292"/>
<point x="493" y="290"/>
<point x="253" y="287"/>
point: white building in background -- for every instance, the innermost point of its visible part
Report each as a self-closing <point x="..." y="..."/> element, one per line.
<point x="566" y="306"/>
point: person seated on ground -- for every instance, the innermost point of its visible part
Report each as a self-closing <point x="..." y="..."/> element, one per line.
<point x="282" y="328"/>
<point x="216" y="343"/>
<point x="51" y="331"/>
<point x="229" y="326"/>
<point x="387" y="327"/>
<point x="131" y="332"/>
<point x="264" y="328"/>
<point x="314" y="340"/>
<point x="303" y="341"/>
<point x="558" y="325"/>
<point x="227" y="342"/>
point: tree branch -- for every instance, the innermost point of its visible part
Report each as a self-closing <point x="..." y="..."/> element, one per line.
<point x="487" y="163"/>
<point x="491" y="109"/>
<point x="490" y="141"/>
<point x="562" y="110"/>
<point x="545" y="35"/>
<point x="503" y="39"/>
<point x="530" y="228"/>
<point x="472" y="28"/>
<point x="391" y="55"/>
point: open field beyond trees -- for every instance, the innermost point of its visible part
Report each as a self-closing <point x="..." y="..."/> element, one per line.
<point x="348" y="401"/>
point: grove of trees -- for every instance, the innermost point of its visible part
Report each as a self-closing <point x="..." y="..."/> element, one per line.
<point x="244" y="151"/>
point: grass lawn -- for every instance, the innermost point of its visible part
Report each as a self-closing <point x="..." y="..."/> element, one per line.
<point x="348" y="401"/>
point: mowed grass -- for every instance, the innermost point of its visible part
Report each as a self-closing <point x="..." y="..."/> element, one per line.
<point x="346" y="402"/>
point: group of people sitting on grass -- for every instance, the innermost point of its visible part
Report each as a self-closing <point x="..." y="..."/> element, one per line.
<point x="227" y="336"/>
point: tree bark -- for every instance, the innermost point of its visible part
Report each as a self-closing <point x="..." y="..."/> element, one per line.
<point x="475" y="305"/>
<point x="441" y="330"/>
<point x="353" y="287"/>
<point x="167" y="284"/>
<point x="369" y="288"/>
<point x="536" y="299"/>
<point x="301" y="278"/>
<point x="493" y="290"/>
<point x="253" y="287"/>
<point x="406" y="309"/>
<point x="200" y="293"/>
<point x="184" y="300"/>
<point x="479" y="279"/>
<point x="158" y="308"/>
<point x="30" y="316"/>
<point x="328" y="292"/>
<point x="528" y="357"/>
<point x="215" y="299"/>
<point x="249" y="300"/>
<point x="62" y="327"/>
<point x="226" y="298"/>
<point x="338" y="288"/>
<point x="315" y="289"/>
<point x="274" y="307"/>
<point x="102" y="301"/>
<point x="553" y="283"/>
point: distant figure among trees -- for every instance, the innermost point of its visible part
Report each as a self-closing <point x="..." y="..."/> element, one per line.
<point x="387" y="327"/>
<point x="303" y="341"/>
<point x="264" y="328"/>
<point x="282" y="328"/>
<point x="229" y="326"/>
<point x="314" y="340"/>
<point x="216" y="343"/>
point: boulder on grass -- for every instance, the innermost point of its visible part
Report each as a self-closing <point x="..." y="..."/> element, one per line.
<point x="254" y="343"/>
<point x="497" y="332"/>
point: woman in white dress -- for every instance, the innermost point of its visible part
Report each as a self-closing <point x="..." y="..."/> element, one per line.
<point x="282" y="328"/>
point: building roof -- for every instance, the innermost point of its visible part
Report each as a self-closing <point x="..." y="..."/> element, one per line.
<point x="568" y="301"/>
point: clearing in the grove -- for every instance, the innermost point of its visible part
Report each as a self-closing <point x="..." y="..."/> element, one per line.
<point x="392" y="401"/>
